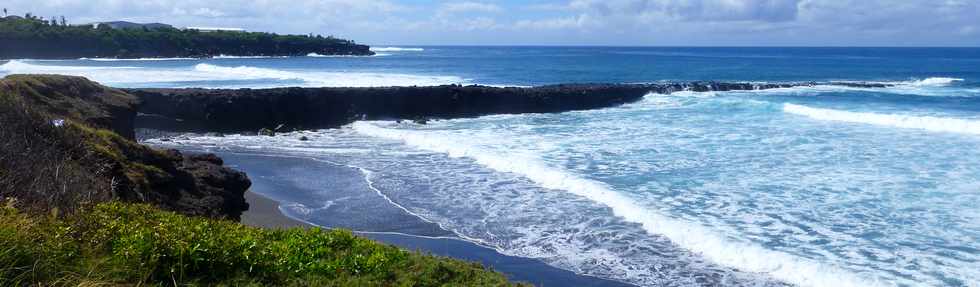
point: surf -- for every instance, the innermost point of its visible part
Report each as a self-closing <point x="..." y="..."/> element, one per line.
<point x="210" y="75"/>
<point x="396" y="49"/>
<point x="717" y="248"/>
<point x="927" y="123"/>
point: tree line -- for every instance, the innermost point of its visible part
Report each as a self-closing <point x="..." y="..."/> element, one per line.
<point x="35" y="37"/>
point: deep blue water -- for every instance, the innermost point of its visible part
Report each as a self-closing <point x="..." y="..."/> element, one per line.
<point x="548" y="65"/>
<point x="810" y="186"/>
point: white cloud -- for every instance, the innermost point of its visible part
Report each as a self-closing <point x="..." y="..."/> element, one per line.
<point x="468" y="7"/>
<point x="628" y="22"/>
<point x="693" y="10"/>
<point x="574" y="22"/>
<point x="207" y="12"/>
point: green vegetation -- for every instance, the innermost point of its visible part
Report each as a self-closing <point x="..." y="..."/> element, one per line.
<point x="33" y="37"/>
<point x="117" y="243"/>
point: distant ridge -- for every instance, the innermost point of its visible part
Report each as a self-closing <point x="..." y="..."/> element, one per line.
<point x="130" y="25"/>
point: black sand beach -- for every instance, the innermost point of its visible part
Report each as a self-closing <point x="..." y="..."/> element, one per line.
<point x="264" y="211"/>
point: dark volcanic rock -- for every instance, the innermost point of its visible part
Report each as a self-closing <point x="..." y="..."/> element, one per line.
<point x="197" y="185"/>
<point x="236" y="110"/>
<point x="81" y="162"/>
<point x="306" y="108"/>
<point x="218" y="191"/>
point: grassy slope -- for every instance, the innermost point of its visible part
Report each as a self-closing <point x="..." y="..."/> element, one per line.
<point x="119" y="243"/>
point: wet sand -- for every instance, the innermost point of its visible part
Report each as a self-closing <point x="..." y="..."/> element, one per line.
<point x="264" y="211"/>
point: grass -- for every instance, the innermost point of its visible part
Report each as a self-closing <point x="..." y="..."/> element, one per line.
<point x="122" y="244"/>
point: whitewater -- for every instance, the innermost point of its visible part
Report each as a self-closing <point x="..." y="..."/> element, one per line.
<point x="825" y="185"/>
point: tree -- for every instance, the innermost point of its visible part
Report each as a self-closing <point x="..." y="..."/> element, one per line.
<point x="5" y="12"/>
<point x="21" y="37"/>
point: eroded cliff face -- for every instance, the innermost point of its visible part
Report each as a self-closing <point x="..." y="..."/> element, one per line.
<point x="69" y="142"/>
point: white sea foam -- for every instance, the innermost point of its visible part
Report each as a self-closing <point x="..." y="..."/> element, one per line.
<point x="315" y="55"/>
<point x="934" y="81"/>
<point x="195" y="75"/>
<point x="328" y="79"/>
<point x="936" y="124"/>
<point x="396" y="49"/>
<point x="21" y="67"/>
<point x="710" y="244"/>
<point x="247" y="72"/>
<point x="246" y="57"/>
<point x="134" y="59"/>
<point x="935" y="86"/>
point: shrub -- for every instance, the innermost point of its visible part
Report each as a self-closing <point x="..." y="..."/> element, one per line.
<point x="132" y="243"/>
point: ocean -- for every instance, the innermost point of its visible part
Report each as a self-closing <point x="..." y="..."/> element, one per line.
<point x="823" y="185"/>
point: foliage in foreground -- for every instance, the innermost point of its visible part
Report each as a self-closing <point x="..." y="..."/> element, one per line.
<point x="120" y="243"/>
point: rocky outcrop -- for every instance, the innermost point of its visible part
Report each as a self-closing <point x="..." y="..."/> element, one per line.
<point x="254" y="109"/>
<point x="75" y="98"/>
<point x="233" y="110"/>
<point x="69" y="142"/>
<point x="196" y="184"/>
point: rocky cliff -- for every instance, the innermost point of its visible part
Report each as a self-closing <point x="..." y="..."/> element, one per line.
<point x="68" y="142"/>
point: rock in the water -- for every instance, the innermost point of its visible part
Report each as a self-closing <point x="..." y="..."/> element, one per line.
<point x="235" y="110"/>
<point x="267" y="132"/>
<point x="304" y="138"/>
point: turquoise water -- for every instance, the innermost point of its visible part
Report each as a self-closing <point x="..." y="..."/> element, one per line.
<point x="810" y="186"/>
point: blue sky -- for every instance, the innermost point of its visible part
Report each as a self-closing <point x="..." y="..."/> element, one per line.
<point x="562" y="22"/>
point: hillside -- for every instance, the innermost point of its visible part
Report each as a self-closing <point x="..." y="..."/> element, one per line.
<point x="39" y="39"/>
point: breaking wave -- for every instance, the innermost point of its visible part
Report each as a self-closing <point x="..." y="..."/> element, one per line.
<point x="215" y="76"/>
<point x="315" y="55"/>
<point x="935" y="124"/>
<point x="716" y="247"/>
<point x="934" y="81"/>
<point x="396" y="49"/>
<point x="245" y="57"/>
<point x="134" y="59"/>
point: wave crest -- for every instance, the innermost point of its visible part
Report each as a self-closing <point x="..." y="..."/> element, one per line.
<point x="315" y="55"/>
<point x="933" y="81"/>
<point x="214" y="76"/>
<point x="935" y="124"/>
<point x="396" y="49"/>
<point x="134" y="59"/>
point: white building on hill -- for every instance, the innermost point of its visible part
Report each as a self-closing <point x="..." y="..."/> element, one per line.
<point x="215" y="29"/>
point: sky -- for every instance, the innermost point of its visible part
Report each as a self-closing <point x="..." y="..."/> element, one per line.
<point x="559" y="22"/>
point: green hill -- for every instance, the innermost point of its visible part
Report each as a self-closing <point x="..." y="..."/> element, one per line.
<point x="36" y="38"/>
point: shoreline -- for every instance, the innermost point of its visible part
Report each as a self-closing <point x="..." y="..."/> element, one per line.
<point x="264" y="212"/>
